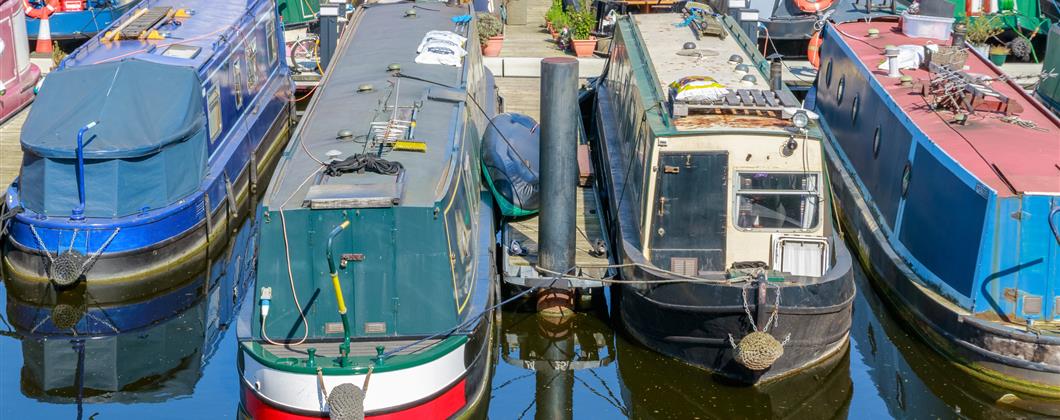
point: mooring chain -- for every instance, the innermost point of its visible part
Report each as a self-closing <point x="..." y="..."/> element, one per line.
<point x="43" y="248"/>
<point x="92" y="260"/>
<point x="758" y="350"/>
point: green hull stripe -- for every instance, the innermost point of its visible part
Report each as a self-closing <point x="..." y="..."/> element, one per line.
<point x="358" y="365"/>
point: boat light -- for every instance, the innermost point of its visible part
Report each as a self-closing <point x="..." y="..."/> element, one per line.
<point x="800" y="119"/>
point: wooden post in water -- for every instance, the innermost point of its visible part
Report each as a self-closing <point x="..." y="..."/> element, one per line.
<point x="559" y="180"/>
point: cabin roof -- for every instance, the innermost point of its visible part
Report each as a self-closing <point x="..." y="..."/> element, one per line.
<point x="382" y="36"/>
<point x="211" y="20"/>
<point x="664" y="40"/>
<point x="1028" y="158"/>
<point x="661" y="39"/>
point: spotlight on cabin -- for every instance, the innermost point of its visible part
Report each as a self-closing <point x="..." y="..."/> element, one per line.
<point x="800" y="119"/>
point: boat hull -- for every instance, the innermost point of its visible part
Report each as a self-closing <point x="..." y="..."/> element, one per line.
<point x="147" y="271"/>
<point x="987" y="350"/>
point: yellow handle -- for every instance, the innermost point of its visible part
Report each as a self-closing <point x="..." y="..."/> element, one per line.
<point x="345" y="224"/>
<point x="338" y="292"/>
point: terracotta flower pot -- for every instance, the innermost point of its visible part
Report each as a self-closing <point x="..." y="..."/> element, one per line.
<point x="584" y="47"/>
<point x="493" y="46"/>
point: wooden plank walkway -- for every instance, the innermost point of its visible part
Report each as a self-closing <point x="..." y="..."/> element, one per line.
<point x="525" y="231"/>
<point x="10" y="149"/>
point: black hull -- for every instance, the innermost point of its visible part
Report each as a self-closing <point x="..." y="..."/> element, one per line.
<point x="994" y="352"/>
<point x="137" y="275"/>
<point x="693" y="322"/>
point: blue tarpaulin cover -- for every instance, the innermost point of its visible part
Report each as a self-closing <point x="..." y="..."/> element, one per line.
<point x="140" y="106"/>
<point x="147" y="151"/>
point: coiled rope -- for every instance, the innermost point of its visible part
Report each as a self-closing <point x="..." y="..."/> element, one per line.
<point x="363" y="162"/>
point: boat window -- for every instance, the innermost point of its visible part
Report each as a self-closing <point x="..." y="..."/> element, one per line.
<point x="237" y="81"/>
<point x="270" y="39"/>
<point x="251" y="52"/>
<point x="876" y="143"/>
<point x="828" y="75"/>
<point x="854" y="110"/>
<point x="839" y="90"/>
<point x="214" y="108"/>
<point x="777" y="200"/>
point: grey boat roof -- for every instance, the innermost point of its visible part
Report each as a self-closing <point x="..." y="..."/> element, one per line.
<point x="381" y="36"/>
<point x="664" y="40"/>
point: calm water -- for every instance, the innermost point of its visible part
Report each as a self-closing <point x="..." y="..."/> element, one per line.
<point x="184" y="367"/>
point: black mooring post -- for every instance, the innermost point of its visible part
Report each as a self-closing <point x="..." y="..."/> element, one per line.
<point x="776" y="72"/>
<point x="559" y="166"/>
<point x="329" y="30"/>
<point x="554" y="395"/>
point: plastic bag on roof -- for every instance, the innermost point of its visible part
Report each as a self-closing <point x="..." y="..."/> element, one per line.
<point x="444" y="37"/>
<point x="697" y="88"/>
<point x="909" y="56"/>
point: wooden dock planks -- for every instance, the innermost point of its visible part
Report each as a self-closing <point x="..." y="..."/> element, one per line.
<point x="525" y="231"/>
<point x="11" y="149"/>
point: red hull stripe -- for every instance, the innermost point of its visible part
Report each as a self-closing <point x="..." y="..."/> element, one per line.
<point x="441" y="407"/>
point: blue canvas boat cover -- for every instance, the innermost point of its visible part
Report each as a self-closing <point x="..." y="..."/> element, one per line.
<point x="149" y="149"/>
<point x="141" y="107"/>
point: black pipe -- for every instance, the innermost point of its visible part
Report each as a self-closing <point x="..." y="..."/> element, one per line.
<point x="559" y="162"/>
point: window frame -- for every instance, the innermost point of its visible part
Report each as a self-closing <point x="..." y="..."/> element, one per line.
<point x="214" y="114"/>
<point x="235" y="71"/>
<point x="737" y="191"/>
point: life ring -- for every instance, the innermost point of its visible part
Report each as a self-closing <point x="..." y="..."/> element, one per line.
<point x="813" y="50"/>
<point x="50" y="6"/>
<point x="813" y="6"/>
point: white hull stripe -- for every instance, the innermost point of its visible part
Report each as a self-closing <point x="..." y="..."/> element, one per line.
<point x="385" y="390"/>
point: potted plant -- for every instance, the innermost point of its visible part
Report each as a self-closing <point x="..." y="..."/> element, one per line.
<point x="554" y="12"/>
<point x="979" y="30"/>
<point x="998" y="53"/>
<point x="559" y="23"/>
<point x="490" y="33"/>
<point x="581" y="27"/>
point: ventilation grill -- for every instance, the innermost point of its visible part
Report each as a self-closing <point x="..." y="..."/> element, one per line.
<point x="685" y="266"/>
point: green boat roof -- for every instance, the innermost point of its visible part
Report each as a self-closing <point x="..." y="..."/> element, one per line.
<point x="341" y="103"/>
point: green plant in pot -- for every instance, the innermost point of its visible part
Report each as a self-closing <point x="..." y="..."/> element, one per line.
<point x="980" y="30"/>
<point x="998" y="54"/>
<point x="490" y="33"/>
<point x="581" y="28"/>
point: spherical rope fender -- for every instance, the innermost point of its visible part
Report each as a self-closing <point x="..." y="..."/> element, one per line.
<point x="50" y="6"/>
<point x="758" y="351"/>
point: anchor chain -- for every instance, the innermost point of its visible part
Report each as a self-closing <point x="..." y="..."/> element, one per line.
<point x="67" y="267"/>
<point x="759" y="349"/>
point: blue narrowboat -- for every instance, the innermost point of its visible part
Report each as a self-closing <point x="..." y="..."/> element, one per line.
<point x="75" y="19"/>
<point x="947" y="180"/>
<point x="144" y="147"/>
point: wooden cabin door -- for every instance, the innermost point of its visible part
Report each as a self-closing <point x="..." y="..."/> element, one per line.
<point x="688" y="213"/>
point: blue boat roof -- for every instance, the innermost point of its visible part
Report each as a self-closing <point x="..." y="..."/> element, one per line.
<point x="210" y="23"/>
<point x="140" y="107"/>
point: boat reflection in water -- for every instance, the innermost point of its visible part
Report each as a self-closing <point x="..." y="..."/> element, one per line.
<point x="77" y="351"/>
<point x="655" y="386"/>
<point x="915" y="381"/>
<point x="553" y="350"/>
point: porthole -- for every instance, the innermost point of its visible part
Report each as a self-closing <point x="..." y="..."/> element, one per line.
<point x="876" y="143"/>
<point x="854" y="110"/>
<point x="828" y="74"/>
<point x="907" y="174"/>
<point x="839" y="90"/>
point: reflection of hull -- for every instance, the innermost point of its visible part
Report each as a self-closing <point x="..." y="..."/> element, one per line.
<point x="911" y="378"/>
<point x="655" y="387"/>
<point x="145" y="351"/>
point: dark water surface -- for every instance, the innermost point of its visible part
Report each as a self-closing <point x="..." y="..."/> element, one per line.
<point x="184" y="366"/>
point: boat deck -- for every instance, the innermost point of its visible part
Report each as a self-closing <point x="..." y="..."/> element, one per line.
<point x="525" y="231"/>
<point x="340" y="105"/>
<point x="998" y="153"/>
<point x="357" y="348"/>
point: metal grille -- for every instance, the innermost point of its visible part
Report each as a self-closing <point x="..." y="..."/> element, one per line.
<point x="685" y="266"/>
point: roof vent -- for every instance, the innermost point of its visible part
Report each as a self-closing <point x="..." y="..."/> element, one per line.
<point x="689" y="46"/>
<point x="742" y="69"/>
<point x="748" y="80"/>
<point x="735" y="59"/>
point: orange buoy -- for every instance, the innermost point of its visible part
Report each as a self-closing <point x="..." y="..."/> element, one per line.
<point x="813" y="6"/>
<point x="813" y="49"/>
<point x="44" y="33"/>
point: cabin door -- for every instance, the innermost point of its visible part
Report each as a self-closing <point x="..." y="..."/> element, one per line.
<point x="688" y="228"/>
